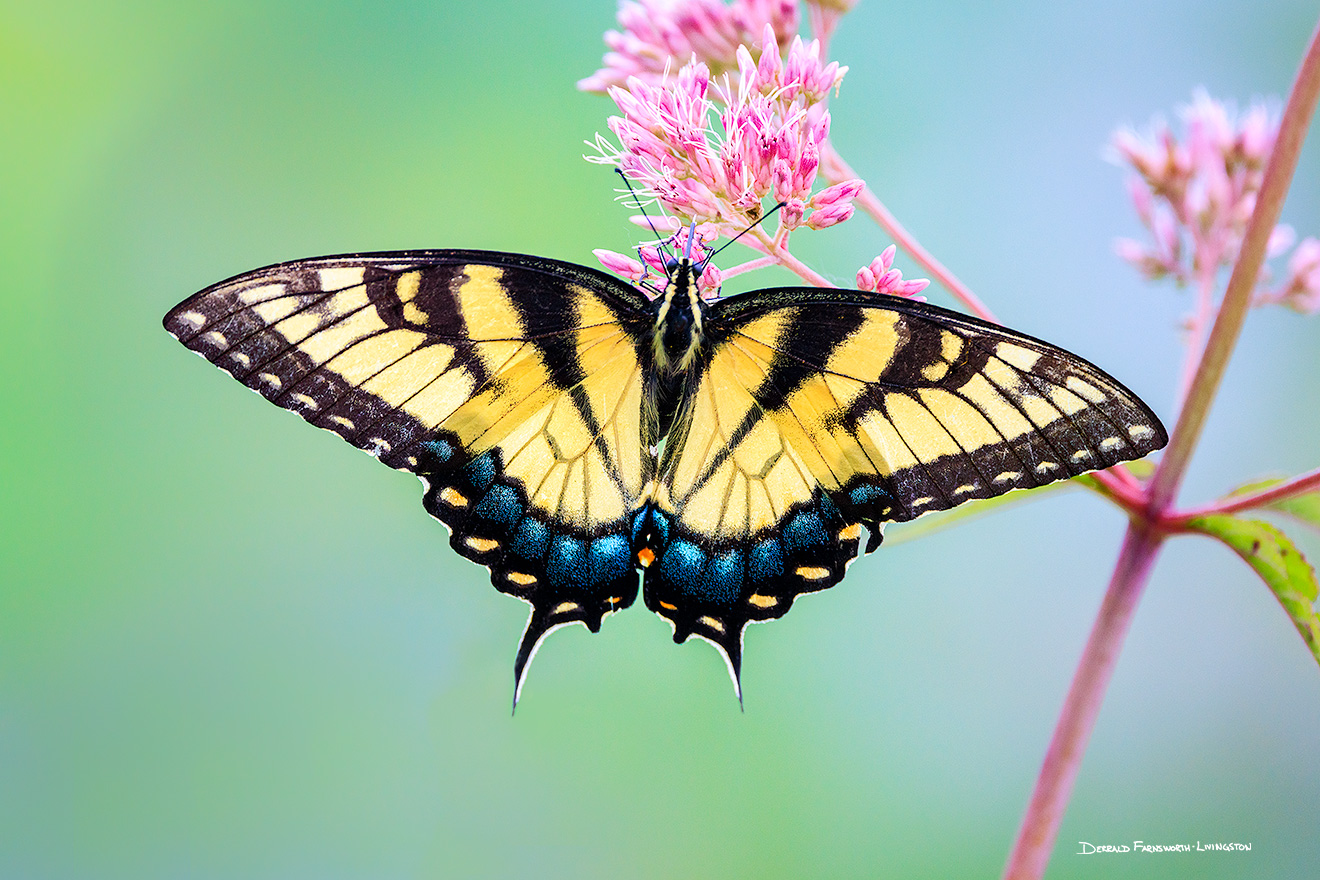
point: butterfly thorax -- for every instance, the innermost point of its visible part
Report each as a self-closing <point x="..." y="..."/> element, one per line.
<point x="677" y="337"/>
<point x="678" y="322"/>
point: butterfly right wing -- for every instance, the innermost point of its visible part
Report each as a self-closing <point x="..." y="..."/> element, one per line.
<point x="817" y="412"/>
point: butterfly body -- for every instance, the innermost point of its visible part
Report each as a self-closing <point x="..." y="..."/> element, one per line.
<point x="573" y="431"/>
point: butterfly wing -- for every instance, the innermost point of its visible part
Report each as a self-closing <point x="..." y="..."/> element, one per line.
<point x="511" y="385"/>
<point x="817" y="412"/>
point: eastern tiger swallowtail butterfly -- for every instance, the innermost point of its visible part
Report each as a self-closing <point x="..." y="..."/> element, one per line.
<point x="572" y="430"/>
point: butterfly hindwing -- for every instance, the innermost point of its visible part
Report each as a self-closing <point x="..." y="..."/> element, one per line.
<point x="817" y="412"/>
<point x="512" y="385"/>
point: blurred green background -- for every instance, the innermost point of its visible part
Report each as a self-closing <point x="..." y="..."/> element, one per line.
<point x="233" y="646"/>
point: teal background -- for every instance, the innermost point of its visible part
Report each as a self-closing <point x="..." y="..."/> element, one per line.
<point x="233" y="646"/>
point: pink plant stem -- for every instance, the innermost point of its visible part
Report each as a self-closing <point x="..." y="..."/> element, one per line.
<point x="1040" y="825"/>
<point x="836" y="171"/>
<point x="1054" y="786"/>
<point x="758" y="263"/>
<point x="781" y="255"/>
<point x="1307" y="482"/>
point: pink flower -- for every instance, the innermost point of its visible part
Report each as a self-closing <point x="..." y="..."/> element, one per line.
<point x="1195" y="195"/>
<point x="621" y="264"/>
<point x="881" y="277"/>
<point x="766" y="143"/>
<point x="658" y="32"/>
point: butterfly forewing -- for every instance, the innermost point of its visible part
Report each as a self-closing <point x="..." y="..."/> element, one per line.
<point x="512" y="385"/>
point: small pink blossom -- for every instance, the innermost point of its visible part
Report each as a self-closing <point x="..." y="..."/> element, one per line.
<point x="827" y="217"/>
<point x="708" y="283"/>
<point x="881" y="277"/>
<point x="656" y="33"/>
<point x="792" y="213"/>
<point x="838" y="193"/>
<point x="621" y="264"/>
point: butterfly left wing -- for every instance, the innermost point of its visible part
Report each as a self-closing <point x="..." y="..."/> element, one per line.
<point x="819" y="411"/>
<point x="511" y="385"/>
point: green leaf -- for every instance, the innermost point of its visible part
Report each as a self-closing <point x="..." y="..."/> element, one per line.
<point x="1141" y="468"/>
<point x="1278" y="562"/>
<point x="1304" y="507"/>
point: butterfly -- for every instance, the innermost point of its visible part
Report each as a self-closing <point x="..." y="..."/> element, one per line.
<point x="579" y="434"/>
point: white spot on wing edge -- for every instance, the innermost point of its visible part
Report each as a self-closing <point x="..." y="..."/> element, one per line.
<point x="194" y="319"/>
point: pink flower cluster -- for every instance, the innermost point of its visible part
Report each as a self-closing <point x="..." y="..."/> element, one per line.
<point x="767" y="142"/>
<point x="1195" y="196"/>
<point x="657" y="32"/>
<point x="881" y="277"/>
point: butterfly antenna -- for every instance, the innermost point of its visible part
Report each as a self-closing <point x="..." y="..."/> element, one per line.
<point x="764" y="217"/>
<point x="649" y="222"/>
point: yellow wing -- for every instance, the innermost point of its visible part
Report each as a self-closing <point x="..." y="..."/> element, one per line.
<point x="512" y="385"/>
<point x="818" y="412"/>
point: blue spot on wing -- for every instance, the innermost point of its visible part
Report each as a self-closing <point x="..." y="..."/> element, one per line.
<point x="803" y="531"/>
<point x="566" y="562"/>
<point x="531" y="540"/>
<point x="723" y="579"/>
<point x="442" y="449"/>
<point x="611" y="557"/>
<point x="766" y="561"/>
<point x="501" y="505"/>
<point x="681" y="562"/>
<point x="481" y="471"/>
<point x="864" y="495"/>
